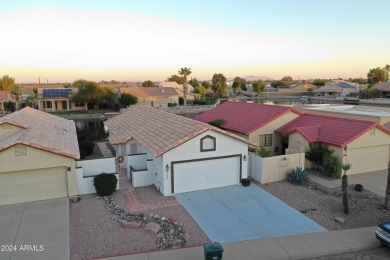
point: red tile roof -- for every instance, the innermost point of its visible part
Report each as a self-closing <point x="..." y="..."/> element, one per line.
<point x="244" y="117"/>
<point x="42" y="131"/>
<point x="329" y="130"/>
<point x="156" y="130"/>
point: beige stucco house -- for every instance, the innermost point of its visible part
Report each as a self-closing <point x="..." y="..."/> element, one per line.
<point x="58" y="99"/>
<point x="255" y="122"/>
<point x="363" y="144"/>
<point x="152" y="96"/>
<point x="37" y="157"/>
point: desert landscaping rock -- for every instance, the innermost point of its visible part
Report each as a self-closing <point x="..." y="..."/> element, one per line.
<point x="132" y="224"/>
<point x="152" y="227"/>
<point x="340" y="220"/>
<point x="186" y="236"/>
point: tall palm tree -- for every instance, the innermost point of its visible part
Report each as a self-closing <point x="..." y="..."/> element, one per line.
<point x="344" y="187"/>
<point x="387" y="196"/>
<point x="185" y="72"/>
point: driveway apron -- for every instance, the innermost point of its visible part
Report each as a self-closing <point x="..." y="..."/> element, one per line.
<point x="237" y="213"/>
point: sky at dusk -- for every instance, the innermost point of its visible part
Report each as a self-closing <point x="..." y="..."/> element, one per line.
<point x="138" y="40"/>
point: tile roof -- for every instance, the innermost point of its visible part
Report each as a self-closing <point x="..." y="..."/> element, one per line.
<point x="156" y="130"/>
<point x="43" y="131"/>
<point x="149" y="92"/>
<point x="243" y="117"/>
<point x="382" y="86"/>
<point x="5" y="96"/>
<point x="329" y="130"/>
<point x="174" y="84"/>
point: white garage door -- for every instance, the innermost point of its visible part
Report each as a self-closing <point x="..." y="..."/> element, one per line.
<point x="368" y="159"/>
<point x="25" y="186"/>
<point x="206" y="174"/>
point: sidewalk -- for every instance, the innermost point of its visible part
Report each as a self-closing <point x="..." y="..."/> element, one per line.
<point x="289" y="247"/>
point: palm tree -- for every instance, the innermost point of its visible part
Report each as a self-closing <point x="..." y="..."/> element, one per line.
<point x="387" y="196"/>
<point x="344" y="187"/>
<point x="185" y="72"/>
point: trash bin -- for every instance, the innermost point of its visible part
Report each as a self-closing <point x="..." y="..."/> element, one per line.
<point x="246" y="182"/>
<point x="212" y="251"/>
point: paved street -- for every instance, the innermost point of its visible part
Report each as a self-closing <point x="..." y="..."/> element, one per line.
<point x="380" y="253"/>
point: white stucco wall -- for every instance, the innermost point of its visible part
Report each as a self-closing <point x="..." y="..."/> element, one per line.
<point x="94" y="167"/>
<point x="190" y="150"/>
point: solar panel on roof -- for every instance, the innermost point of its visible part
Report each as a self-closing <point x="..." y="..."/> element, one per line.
<point x="53" y="93"/>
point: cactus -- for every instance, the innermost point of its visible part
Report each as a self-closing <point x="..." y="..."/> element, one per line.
<point x="298" y="176"/>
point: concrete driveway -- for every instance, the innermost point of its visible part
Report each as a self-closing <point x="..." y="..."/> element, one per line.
<point x="237" y="213"/>
<point x="35" y="230"/>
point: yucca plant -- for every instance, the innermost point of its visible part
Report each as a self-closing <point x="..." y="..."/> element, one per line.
<point x="298" y="176"/>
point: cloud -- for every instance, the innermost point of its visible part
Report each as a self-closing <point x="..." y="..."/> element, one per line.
<point x="98" y="40"/>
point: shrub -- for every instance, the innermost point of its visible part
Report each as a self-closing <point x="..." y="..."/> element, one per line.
<point x="83" y="153"/>
<point x="332" y="166"/>
<point x="263" y="152"/>
<point x="105" y="184"/>
<point x="217" y="123"/>
<point x="87" y="146"/>
<point x="199" y="102"/>
<point x="359" y="187"/>
<point x="298" y="176"/>
<point x="172" y="104"/>
<point x="317" y="152"/>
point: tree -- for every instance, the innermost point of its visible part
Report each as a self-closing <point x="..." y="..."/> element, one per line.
<point x="359" y="81"/>
<point x="368" y="92"/>
<point x="344" y="187"/>
<point x="127" y="99"/>
<point x="90" y="92"/>
<point x="319" y="82"/>
<point x="387" y="195"/>
<point x="184" y="72"/>
<point x="176" y="78"/>
<point x="278" y="83"/>
<point x="236" y="84"/>
<point x="258" y="86"/>
<point x="148" y="84"/>
<point x="201" y="90"/>
<point x="194" y="82"/>
<point x="6" y="82"/>
<point x="378" y="74"/>
<point x="287" y="79"/>
<point x="219" y="84"/>
<point x="206" y="84"/>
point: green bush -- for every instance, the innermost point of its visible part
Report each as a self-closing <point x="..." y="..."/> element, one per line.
<point x="181" y="101"/>
<point x="83" y="153"/>
<point x="332" y="166"/>
<point x="105" y="184"/>
<point x="172" y="104"/>
<point x="217" y="123"/>
<point x="298" y="176"/>
<point x="199" y="102"/>
<point x="317" y="152"/>
<point x="87" y="146"/>
<point x="359" y="187"/>
<point x="263" y="152"/>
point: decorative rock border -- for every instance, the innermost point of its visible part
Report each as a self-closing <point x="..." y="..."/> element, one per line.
<point x="169" y="233"/>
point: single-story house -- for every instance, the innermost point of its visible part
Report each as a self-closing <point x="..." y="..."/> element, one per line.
<point x="37" y="157"/>
<point x="152" y="96"/>
<point x="255" y="122"/>
<point x="363" y="144"/>
<point x="383" y="88"/>
<point x="179" y="88"/>
<point x="337" y="89"/>
<point x="175" y="153"/>
<point x="5" y="97"/>
<point x="58" y="99"/>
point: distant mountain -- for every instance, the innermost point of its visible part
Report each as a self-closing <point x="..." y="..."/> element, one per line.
<point x="252" y="78"/>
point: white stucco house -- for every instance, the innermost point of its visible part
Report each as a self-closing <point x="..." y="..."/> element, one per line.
<point x="174" y="153"/>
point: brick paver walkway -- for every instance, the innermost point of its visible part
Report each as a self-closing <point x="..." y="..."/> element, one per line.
<point x="134" y="202"/>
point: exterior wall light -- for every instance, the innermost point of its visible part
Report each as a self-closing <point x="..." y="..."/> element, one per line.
<point x="244" y="158"/>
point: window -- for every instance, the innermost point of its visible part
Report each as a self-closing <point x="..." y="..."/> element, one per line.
<point x="79" y="103"/>
<point x="208" y="143"/>
<point x="265" y="140"/>
<point x="20" y="150"/>
<point x="47" y="104"/>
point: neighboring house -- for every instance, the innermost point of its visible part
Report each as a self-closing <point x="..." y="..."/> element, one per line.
<point x="5" y="97"/>
<point x="174" y="153"/>
<point x="255" y="122"/>
<point x="363" y="144"/>
<point x="58" y="99"/>
<point x="336" y="89"/>
<point x="297" y="88"/>
<point x="37" y="157"/>
<point x="152" y="96"/>
<point x="179" y="88"/>
<point x="383" y="88"/>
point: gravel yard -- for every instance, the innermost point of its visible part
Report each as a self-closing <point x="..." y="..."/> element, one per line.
<point x="93" y="233"/>
<point x="322" y="204"/>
